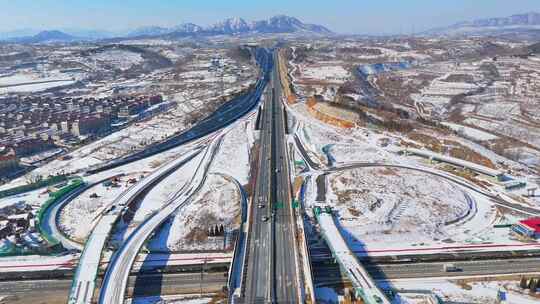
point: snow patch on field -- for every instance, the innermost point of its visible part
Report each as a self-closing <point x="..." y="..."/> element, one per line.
<point x="120" y="59"/>
<point x="217" y="204"/>
<point x="469" y="132"/>
<point x="474" y="292"/>
<point x="379" y="203"/>
<point x="170" y="300"/>
<point x="233" y="156"/>
<point x="78" y="218"/>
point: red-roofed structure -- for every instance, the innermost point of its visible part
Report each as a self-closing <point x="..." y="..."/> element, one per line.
<point x="529" y="227"/>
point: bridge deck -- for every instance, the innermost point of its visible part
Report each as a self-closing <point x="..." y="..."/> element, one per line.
<point x="360" y="278"/>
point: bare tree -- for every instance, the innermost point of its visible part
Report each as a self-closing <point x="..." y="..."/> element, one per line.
<point x="32" y="178"/>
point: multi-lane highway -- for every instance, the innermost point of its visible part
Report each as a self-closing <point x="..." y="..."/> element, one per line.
<point x="257" y="288"/>
<point x="467" y="269"/>
<point x="285" y="256"/>
<point x="55" y="291"/>
<point x="271" y="264"/>
<point x="84" y="280"/>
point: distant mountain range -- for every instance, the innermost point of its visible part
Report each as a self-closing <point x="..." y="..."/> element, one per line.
<point x="236" y="26"/>
<point x="491" y="26"/>
<point x="231" y="26"/>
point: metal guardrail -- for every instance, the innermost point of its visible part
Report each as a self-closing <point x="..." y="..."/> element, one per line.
<point x="239" y="244"/>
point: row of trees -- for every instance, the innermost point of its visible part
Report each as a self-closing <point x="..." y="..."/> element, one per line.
<point x="532" y="284"/>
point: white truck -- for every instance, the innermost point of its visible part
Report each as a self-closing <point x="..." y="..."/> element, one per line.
<point x="450" y="267"/>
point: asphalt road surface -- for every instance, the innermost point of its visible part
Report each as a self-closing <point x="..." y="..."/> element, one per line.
<point x="271" y="265"/>
<point x="285" y="276"/>
<point x="56" y="291"/>
<point x="258" y="278"/>
<point x="331" y="273"/>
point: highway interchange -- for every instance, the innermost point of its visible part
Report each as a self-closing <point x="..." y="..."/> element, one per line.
<point x="270" y="271"/>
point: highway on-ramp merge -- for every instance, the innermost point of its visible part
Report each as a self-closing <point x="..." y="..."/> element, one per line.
<point x="116" y="277"/>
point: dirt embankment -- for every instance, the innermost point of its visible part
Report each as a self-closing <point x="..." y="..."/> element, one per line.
<point x="329" y="119"/>
<point x="285" y="81"/>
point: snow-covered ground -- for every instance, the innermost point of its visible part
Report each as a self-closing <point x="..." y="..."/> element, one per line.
<point x="466" y="291"/>
<point x="414" y="206"/>
<point x="233" y="156"/>
<point x="471" y="133"/>
<point x="389" y="209"/>
<point x="34" y="80"/>
<point x="33" y="198"/>
<point x="79" y="216"/>
<point x="333" y="72"/>
<point x="184" y="299"/>
<point x="217" y="204"/>
<point x="119" y="59"/>
<point x="164" y="191"/>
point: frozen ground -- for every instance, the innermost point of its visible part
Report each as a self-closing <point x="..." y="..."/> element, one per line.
<point x="164" y="191"/>
<point x="217" y="204"/>
<point x="379" y="203"/>
<point x="340" y="145"/>
<point x="471" y="133"/>
<point x="383" y="209"/>
<point x="325" y="72"/>
<point x="33" y="80"/>
<point x="33" y="198"/>
<point x="79" y="216"/>
<point x="119" y="59"/>
<point x="466" y="291"/>
<point x="184" y="299"/>
<point x="233" y="156"/>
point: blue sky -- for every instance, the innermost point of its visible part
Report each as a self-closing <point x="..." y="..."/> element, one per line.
<point x="344" y="16"/>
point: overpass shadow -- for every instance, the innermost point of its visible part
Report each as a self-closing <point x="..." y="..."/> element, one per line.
<point x="360" y="250"/>
<point x="330" y="274"/>
<point x="149" y="280"/>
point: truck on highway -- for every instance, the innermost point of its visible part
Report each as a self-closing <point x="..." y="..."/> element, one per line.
<point x="450" y="267"/>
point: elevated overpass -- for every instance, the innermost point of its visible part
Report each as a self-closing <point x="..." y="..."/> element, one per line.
<point x="83" y="286"/>
<point x="113" y="289"/>
<point x="364" y="285"/>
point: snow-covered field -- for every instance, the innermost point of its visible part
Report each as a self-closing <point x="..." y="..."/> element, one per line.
<point x="378" y="202"/>
<point x="326" y="72"/>
<point x="416" y="209"/>
<point x="499" y="109"/>
<point x="33" y="198"/>
<point x="33" y="81"/>
<point x="119" y="59"/>
<point x="217" y="204"/>
<point x="164" y="191"/>
<point x="233" y="156"/>
<point x="79" y="216"/>
<point x="471" y="133"/>
<point x="466" y="292"/>
<point x="170" y="300"/>
<point x="383" y="209"/>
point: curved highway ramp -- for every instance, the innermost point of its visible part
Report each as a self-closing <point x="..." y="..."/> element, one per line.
<point x="84" y="281"/>
<point x="364" y="285"/>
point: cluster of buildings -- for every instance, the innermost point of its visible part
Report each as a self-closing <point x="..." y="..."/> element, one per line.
<point x="529" y="228"/>
<point x="31" y="125"/>
<point x="15" y="221"/>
